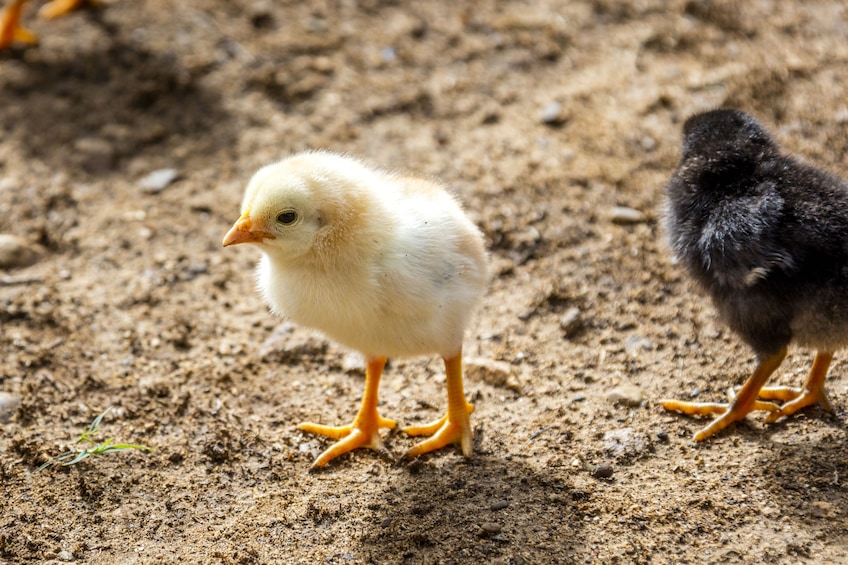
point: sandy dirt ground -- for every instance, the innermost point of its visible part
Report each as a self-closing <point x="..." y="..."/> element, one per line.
<point x="557" y="124"/>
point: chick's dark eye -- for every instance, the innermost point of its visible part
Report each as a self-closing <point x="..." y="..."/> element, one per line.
<point x="287" y="217"/>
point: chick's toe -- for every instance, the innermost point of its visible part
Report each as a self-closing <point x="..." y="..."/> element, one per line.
<point x="353" y="436"/>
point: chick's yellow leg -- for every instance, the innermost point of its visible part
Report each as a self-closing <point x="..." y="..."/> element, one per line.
<point x="743" y="403"/>
<point x="453" y="427"/>
<point x="10" y="26"/>
<point x="365" y="429"/>
<point x="812" y="392"/>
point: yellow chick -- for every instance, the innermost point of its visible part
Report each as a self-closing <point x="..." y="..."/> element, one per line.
<point x="383" y="263"/>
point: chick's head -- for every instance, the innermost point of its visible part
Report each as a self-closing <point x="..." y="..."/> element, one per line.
<point x="297" y="208"/>
<point x="277" y="213"/>
<point x="725" y="136"/>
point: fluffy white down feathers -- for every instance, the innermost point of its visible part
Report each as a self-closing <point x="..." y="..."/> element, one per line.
<point x="385" y="264"/>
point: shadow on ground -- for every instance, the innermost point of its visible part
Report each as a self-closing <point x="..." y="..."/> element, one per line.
<point x="90" y="111"/>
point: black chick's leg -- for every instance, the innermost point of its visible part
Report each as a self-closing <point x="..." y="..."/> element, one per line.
<point x="745" y="401"/>
<point x="811" y="393"/>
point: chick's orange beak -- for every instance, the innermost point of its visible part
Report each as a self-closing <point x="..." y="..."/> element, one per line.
<point x="243" y="231"/>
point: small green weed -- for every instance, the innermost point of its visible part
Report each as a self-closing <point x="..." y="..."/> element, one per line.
<point x="74" y="456"/>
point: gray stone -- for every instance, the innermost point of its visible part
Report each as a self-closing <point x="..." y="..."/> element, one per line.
<point x="8" y="404"/>
<point x="16" y="252"/>
<point x="157" y="181"/>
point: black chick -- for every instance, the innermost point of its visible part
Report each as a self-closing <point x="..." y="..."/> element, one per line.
<point x="766" y="236"/>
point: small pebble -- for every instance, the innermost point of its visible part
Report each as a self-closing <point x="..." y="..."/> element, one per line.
<point x="500" y="505"/>
<point x="625" y="443"/>
<point x="98" y="154"/>
<point x="388" y="54"/>
<point x="353" y="363"/>
<point x="285" y="345"/>
<point x="635" y="343"/>
<point x="603" y="471"/>
<point x="157" y="181"/>
<point x="822" y="509"/>
<point x="625" y="215"/>
<point x="552" y="114"/>
<point x="491" y="528"/>
<point x="308" y="447"/>
<point x="495" y="373"/>
<point x="8" y="404"/>
<point x="626" y="394"/>
<point x="65" y="555"/>
<point x="261" y="18"/>
<point x="662" y="435"/>
<point x="570" y="322"/>
<point x="93" y="145"/>
<point x="17" y="252"/>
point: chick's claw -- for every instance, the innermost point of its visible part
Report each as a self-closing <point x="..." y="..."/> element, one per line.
<point x="804" y="399"/>
<point x="716" y="408"/>
<point x="729" y="417"/>
<point x="432" y="427"/>
<point x="694" y="408"/>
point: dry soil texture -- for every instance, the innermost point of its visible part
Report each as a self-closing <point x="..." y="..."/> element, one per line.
<point x="543" y="116"/>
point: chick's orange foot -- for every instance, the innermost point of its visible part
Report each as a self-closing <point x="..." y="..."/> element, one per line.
<point x="365" y="429"/>
<point x="358" y="434"/>
<point x="10" y="26"/>
<point x="444" y="431"/>
<point x="810" y="394"/>
<point x="742" y="403"/>
<point x="11" y="30"/>
<point x="727" y="413"/>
